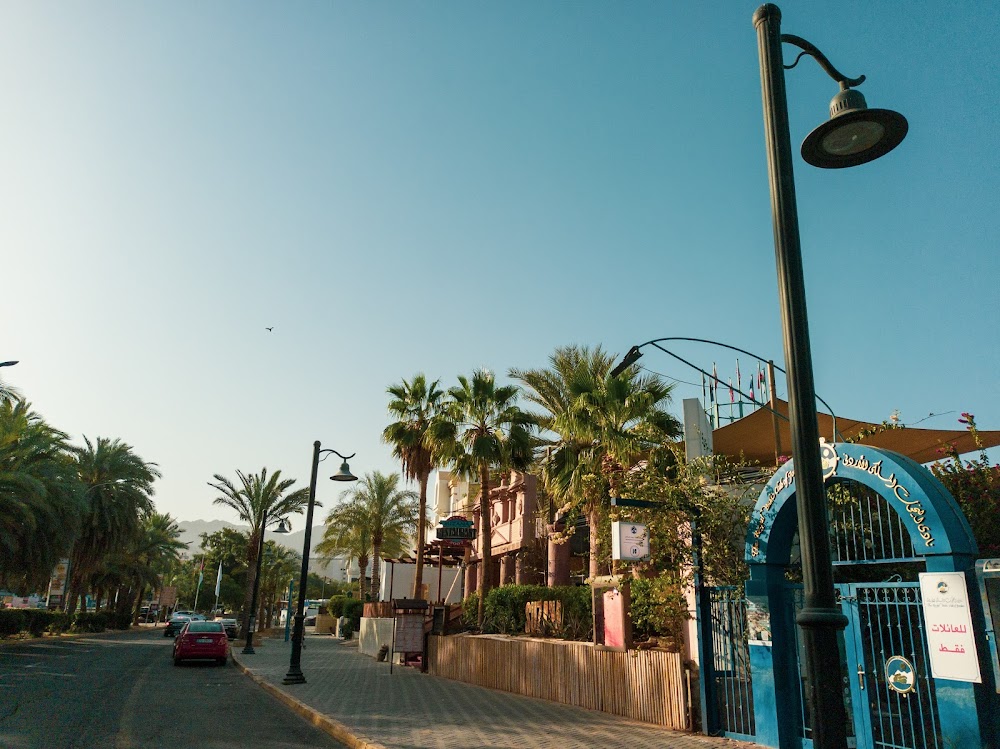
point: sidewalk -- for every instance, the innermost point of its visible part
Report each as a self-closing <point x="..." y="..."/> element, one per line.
<point x="356" y="700"/>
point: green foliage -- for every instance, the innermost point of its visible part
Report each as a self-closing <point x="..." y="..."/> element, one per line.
<point x="41" y="498"/>
<point x="348" y="606"/>
<point x="975" y="485"/>
<point x="504" y="609"/>
<point x="659" y="609"/>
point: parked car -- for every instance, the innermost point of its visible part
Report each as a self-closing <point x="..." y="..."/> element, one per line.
<point x="230" y="626"/>
<point x="178" y="620"/>
<point x="201" y="640"/>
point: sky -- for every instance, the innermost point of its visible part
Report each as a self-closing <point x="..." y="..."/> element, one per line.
<point x="437" y="187"/>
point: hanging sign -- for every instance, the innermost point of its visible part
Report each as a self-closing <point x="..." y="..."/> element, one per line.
<point x="456" y="528"/>
<point x="629" y="541"/>
<point x="948" y="624"/>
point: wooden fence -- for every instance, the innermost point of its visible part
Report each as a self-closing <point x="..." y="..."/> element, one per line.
<point x="646" y="685"/>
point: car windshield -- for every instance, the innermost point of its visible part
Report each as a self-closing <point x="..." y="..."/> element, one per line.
<point x="205" y="627"/>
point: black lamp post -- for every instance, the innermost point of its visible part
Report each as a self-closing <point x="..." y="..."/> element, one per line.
<point x="294" y="675"/>
<point x="854" y="135"/>
<point x="252" y="615"/>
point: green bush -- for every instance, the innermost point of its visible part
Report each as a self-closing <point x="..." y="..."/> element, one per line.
<point x="90" y="621"/>
<point x="659" y="609"/>
<point x="347" y="606"/>
<point x="505" y="606"/>
<point x="32" y="621"/>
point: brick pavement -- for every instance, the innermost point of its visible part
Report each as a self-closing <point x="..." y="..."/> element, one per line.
<point x="359" y="702"/>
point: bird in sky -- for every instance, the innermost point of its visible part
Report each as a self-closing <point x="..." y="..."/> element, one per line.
<point x="269" y="329"/>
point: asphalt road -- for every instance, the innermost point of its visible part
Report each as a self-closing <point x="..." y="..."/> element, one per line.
<point x="122" y="691"/>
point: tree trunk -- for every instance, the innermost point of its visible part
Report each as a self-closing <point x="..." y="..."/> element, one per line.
<point x="593" y="517"/>
<point x="418" y="573"/>
<point x="376" y="568"/>
<point x="486" y="542"/>
<point x="252" y="550"/>
<point x="363" y="580"/>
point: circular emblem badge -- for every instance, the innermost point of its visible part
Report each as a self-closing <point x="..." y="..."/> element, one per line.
<point x="829" y="458"/>
<point x="899" y="674"/>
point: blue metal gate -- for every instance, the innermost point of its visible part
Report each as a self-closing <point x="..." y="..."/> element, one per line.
<point x="727" y="667"/>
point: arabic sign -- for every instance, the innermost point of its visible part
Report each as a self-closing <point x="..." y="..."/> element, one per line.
<point x="629" y="541"/>
<point x="948" y="622"/>
<point x="899" y="674"/>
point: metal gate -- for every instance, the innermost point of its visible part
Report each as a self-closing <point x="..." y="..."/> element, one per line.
<point x="891" y="686"/>
<point x="727" y="670"/>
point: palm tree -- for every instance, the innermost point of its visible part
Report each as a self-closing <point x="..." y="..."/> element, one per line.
<point x="602" y="425"/>
<point x="280" y="565"/>
<point x="415" y="404"/>
<point x="41" y="498"/>
<point x="119" y="486"/>
<point x="347" y="534"/>
<point x="390" y="515"/>
<point x="258" y="501"/>
<point x="481" y="429"/>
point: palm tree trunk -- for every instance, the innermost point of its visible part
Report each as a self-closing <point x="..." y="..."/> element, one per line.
<point x="376" y="567"/>
<point x="593" y="517"/>
<point x="418" y="574"/>
<point x="363" y="581"/>
<point x="251" y="577"/>
<point x="486" y="542"/>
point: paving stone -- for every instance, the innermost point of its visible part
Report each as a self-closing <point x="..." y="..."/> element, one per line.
<point x="410" y="710"/>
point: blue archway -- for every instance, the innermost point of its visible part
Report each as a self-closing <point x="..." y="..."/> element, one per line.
<point x="939" y="540"/>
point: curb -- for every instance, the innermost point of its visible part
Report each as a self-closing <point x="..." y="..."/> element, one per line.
<point x="325" y="723"/>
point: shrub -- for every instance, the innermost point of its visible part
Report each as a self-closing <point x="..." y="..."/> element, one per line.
<point x="32" y="621"/>
<point x="659" y="609"/>
<point x="504" y="611"/>
<point x="348" y="606"/>
<point x="90" y="621"/>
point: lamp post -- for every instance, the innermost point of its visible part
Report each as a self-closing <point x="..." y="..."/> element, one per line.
<point x="854" y="135"/>
<point x="294" y="675"/>
<point x="252" y="614"/>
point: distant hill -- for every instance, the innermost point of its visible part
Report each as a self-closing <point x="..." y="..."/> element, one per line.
<point x="191" y="531"/>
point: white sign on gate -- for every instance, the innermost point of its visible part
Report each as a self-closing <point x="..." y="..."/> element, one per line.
<point x="629" y="541"/>
<point x="948" y="622"/>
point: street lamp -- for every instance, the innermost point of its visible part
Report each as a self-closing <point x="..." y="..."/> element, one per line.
<point x="7" y="363"/>
<point x="294" y="675"/>
<point x="252" y="614"/>
<point x="854" y="135"/>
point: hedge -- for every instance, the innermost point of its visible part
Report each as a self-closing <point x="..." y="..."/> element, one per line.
<point x="352" y="608"/>
<point x="505" y="606"/>
<point x="36" y="622"/>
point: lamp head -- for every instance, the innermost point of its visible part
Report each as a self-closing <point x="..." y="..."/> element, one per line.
<point x="283" y="526"/>
<point x="344" y="474"/>
<point x="854" y="134"/>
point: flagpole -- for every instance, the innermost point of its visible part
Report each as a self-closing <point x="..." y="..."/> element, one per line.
<point x="201" y="576"/>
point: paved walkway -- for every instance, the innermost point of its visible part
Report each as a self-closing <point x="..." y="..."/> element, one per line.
<point x="357" y="700"/>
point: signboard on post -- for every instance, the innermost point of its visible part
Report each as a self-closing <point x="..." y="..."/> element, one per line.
<point x="168" y="596"/>
<point x="57" y="585"/>
<point x="948" y="621"/>
<point x="629" y="541"/>
<point x="456" y="528"/>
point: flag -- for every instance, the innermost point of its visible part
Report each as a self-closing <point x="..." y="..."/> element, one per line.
<point x="201" y="572"/>
<point x="715" y="379"/>
<point x="703" y="397"/>
<point x="739" y="380"/>
<point x="751" y="391"/>
<point x="218" y="581"/>
<point x="732" y="395"/>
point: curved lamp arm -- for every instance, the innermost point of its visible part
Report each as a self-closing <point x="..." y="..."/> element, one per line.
<point x="635" y="353"/>
<point x="808" y="48"/>
<point x="327" y="451"/>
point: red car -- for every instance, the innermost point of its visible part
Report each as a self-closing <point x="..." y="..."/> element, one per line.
<point x="202" y="641"/>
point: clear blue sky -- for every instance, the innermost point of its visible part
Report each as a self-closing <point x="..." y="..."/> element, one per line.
<point x="399" y="187"/>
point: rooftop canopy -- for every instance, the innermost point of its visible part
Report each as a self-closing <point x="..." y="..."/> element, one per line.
<point x="753" y="437"/>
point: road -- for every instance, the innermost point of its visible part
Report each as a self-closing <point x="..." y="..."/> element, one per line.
<point x="122" y="691"/>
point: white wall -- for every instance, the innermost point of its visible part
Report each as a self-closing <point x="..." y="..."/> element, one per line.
<point x="374" y="634"/>
<point x="402" y="581"/>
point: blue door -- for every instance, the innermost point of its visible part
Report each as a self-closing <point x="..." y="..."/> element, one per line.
<point x="891" y="691"/>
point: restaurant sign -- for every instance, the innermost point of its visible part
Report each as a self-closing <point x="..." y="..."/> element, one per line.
<point x="456" y="528"/>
